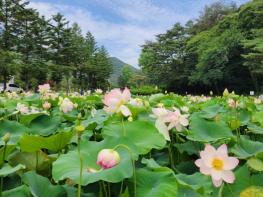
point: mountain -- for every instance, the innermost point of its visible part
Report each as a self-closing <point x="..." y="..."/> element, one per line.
<point x="117" y="66"/>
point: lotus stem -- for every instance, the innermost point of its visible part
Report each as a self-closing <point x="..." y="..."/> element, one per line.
<point x="220" y="193"/>
<point x="123" y="127"/>
<point x="80" y="171"/>
<point x="2" y="178"/>
<point x="133" y="163"/>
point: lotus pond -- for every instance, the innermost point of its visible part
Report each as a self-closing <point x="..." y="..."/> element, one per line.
<point x="118" y="144"/>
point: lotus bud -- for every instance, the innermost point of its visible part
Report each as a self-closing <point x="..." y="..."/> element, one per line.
<point x="108" y="158"/>
<point x="225" y="93"/>
<point x="46" y="105"/>
<point x="147" y="104"/>
<point x="160" y="105"/>
<point x="80" y="129"/>
<point x="130" y="119"/>
<point x="6" y="137"/>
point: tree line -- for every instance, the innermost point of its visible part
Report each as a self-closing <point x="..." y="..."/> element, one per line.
<point x="221" y="49"/>
<point x="38" y="50"/>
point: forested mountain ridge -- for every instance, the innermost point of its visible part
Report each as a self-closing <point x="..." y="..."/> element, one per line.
<point x="117" y="66"/>
<point x="221" y="49"/>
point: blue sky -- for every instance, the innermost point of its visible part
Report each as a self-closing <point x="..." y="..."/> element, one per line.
<point x="122" y="26"/>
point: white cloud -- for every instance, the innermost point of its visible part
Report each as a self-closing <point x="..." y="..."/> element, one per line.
<point x="122" y="40"/>
<point x="141" y="20"/>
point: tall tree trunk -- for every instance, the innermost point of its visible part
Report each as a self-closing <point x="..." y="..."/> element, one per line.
<point x="5" y="82"/>
<point x="254" y="81"/>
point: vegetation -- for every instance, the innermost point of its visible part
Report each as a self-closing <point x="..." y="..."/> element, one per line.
<point x="123" y="145"/>
<point x="37" y="50"/>
<point x="222" y="48"/>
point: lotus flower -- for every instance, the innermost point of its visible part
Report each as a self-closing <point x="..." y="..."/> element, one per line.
<point x="232" y="103"/>
<point x="23" y="109"/>
<point x="98" y="91"/>
<point x="176" y="120"/>
<point x="66" y="105"/>
<point x="257" y="101"/>
<point x="217" y="164"/>
<point x="46" y="105"/>
<point x="108" y="158"/>
<point x="44" y="88"/>
<point x="115" y="101"/>
<point x="159" y="114"/>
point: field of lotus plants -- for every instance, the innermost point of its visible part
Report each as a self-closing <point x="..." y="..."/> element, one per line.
<point x="114" y="144"/>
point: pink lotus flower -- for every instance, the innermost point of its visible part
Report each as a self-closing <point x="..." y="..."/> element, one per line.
<point x="22" y="108"/>
<point x="44" y="88"/>
<point x="257" y="101"/>
<point x="108" y="158"/>
<point x="232" y="103"/>
<point x="46" y="105"/>
<point x="66" y="105"/>
<point x="115" y="101"/>
<point x="159" y="114"/>
<point x="176" y="120"/>
<point x="217" y="164"/>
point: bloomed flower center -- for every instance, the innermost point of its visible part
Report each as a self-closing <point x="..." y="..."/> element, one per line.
<point x="217" y="164"/>
<point x="122" y="102"/>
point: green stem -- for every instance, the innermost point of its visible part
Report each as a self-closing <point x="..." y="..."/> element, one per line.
<point x="220" y="193"/>
<point x="80" y="171"/>
<point x="2" y="178"/>
<point x="104" y="189"/>
<point x="230" y="190"/>
<point x="123" y="127"/>
<point x="171" y="156"/>
<point x="36" y="160"/>
<point x="109" y="189"/>
<point x="133" y="163"/>
<point x="121" y="188"/>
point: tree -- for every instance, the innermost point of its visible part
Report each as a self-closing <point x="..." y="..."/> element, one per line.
<point x="212" y="14"/>
<point x="9" y="65"/>
<point x="102" y="70"/>
<point x="126" y="76"/>
<point x="163" y="60"/>
<point x="58" y="36"/>
<point x="254" y="56"/>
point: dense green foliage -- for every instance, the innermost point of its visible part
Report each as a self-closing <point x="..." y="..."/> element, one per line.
<point x="51" y="152"/>
<point x="222" y="48"/>
<point x="117" y="66"/>
<point x="35" y="50"/>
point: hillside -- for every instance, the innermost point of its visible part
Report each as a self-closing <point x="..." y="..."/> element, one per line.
<point x="117" y="67"/>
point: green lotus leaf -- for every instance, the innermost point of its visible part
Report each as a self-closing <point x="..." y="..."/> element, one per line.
<point x="41" y="187"/>
<point x="247" y="148"/>
<point x="196" y="183"/>
<point x="20" y="191"/>
<point x="243" y="179"/>
<point x="142" y="134"/>
<point x="56" y="142"/>
<point x="7" y="169"/>
<point x="156" y="182"/>
<point x="44" y="125"/>
<point x="207" y="130"/>
<point x="26" y="119"/>
<point x="14" y="128"/>
<point x="255" y="164"/>
<point x="32" y="161"/>
<point x="68" y="165"/>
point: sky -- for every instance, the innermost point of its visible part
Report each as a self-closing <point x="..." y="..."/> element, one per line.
<point x="123" y="26"/>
